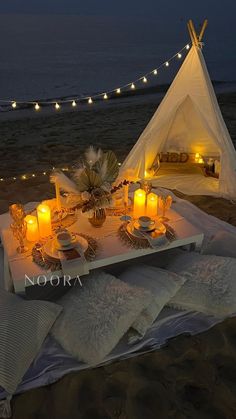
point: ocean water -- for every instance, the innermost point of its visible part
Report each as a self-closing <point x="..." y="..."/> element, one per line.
<point x="59" y="56"/>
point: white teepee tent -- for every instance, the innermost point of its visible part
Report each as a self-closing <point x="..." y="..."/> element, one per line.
<point x="188" y="118"/>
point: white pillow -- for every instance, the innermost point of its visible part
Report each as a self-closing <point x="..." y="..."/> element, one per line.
<point x="210" y="285"/>
<point x="222" y="244"/>
<point x="160" y="283"/>
<point x="97" y="315"/>
<point x="23" y="327"/>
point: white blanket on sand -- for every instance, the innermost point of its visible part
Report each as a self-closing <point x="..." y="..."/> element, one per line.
<point x="52" y="362"/>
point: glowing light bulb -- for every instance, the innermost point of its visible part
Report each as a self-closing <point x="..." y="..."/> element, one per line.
<point x="1" y="179"/>
<point x="33" y="175"/>
<point x="132" y="86"/>
<point x="44" y="173"/>
<point x="118" y="91"/>
<point x="105" y="96"/>
<point x="90" y="100"/>
<point x="23" y="177"/>
<point x="36" y="107"/>
<point x="144" y="79"/>
<point x="167" y="64"/>
<point x="57" y="106"/>
<point x="74" y="104"/>
<point x="13" y="105"/>
<point x="155" y="71"/>
<point x="187" y="46"/>
<point x="179" y="55"/>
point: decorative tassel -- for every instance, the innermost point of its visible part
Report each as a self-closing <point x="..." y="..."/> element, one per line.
<point x="5" y="407"/>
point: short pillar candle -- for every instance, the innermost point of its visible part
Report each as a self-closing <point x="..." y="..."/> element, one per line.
<point x="44" y="220"/>
<point x="139" y="203"/>
<point x="152" y="200"/>
<point x="32" y="232"/>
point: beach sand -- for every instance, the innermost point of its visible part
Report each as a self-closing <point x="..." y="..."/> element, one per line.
<point x="192" y="377"/>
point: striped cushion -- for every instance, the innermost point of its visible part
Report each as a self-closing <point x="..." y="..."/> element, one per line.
<point x="23" y="327"/>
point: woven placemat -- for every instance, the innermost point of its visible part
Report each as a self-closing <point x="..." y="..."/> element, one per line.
<point x="140" y="242"/>
<point x="53" y="264"/>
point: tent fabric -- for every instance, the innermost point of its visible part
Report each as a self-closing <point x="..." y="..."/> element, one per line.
<point x="187" y="120"/>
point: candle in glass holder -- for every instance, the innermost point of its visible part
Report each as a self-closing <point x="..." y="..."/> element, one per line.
<point x="139" y="203"/>
<point x="32" y="232"/>
<point x="44" y="220"/>
<point x="151" y="205"/>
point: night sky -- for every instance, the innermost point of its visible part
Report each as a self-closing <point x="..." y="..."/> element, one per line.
<point x="179" y="9"/>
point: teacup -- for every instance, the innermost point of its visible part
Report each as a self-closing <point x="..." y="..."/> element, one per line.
<point x="145" y="221"/>
<point x="64" y="238"/>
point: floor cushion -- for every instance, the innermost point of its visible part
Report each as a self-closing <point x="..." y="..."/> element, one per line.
<point x="97" y="315"/>
<point x="222" y="244"/>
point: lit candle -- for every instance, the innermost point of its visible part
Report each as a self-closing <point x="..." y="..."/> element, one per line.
<point x="44" y="220"/>
<point x="126" y="194"/>
<point x="32" y="232"/>
<point x="58" y="196"/>
<point x="200" y="161"/>
<point x="152" y="205"/>
<point x="139" y="203"/>
<point x="197" y="156"/>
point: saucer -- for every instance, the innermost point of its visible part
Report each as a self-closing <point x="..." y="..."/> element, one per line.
<point x="53" y="249"/>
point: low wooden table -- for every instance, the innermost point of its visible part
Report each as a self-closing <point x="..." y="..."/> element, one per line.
<point x="111" y="249"/>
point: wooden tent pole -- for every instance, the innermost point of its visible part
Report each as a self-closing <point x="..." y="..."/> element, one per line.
<point x="202" y="30"/>
<point x="190" y="32"/>
<point x="193" y="32"/>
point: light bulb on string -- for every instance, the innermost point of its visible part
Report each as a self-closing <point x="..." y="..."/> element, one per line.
<point x="13" y="105"/>
<point x="57" y="106"/>
<point x="118" y="91"/>
<point x="167" y="64"/>
<point x="144" y="79"/>
<point x="132" y="86"/>
<point x="155" y="71"/>
<point x="105" y="96"/>
<point x="73" y="104"/>
<point x="36" y="107"/>
<point x="179" y="55"/>
<point x="187" y="46"/>
<point x="90" y="100"/>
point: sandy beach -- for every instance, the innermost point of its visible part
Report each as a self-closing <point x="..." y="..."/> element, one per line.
<point x="192" y="377"/>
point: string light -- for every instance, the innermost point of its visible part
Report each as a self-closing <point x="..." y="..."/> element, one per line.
<point x="74" y="102"/>
<point x="23" y="177"/>
<point x="1" y="179"/>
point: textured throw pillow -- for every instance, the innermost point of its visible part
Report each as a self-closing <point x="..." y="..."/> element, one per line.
<point x="160" y="283"/>
<point x="97" y="315"/>
<point x="210" y="285"/>
<point x="222" y="244"/>
<point x="23" y="327"/>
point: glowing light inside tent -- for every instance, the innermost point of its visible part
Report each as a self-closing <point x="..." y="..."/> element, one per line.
<point x="139" y="203"/>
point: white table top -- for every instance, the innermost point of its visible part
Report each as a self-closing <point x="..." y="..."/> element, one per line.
<point x="111" y="249"/>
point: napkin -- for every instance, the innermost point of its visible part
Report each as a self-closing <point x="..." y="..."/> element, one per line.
<point x="73" y="262"/>
<point x="154" y="238"/>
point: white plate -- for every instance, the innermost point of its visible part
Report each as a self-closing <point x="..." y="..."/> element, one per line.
<point x="51" y="249"/>
<point x="155" y="226"/>
<point x="139" y="233"/>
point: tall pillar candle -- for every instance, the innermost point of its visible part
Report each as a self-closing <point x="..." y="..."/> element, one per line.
<point x="44" y="220"/>
<point x="152" y="200"/>
<point x="32" y="232"/>
<point x="58" y="196"/>
<point x="139" y="203"/>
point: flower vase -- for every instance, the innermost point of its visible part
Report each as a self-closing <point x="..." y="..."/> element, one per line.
<point x="98" y="218"/>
